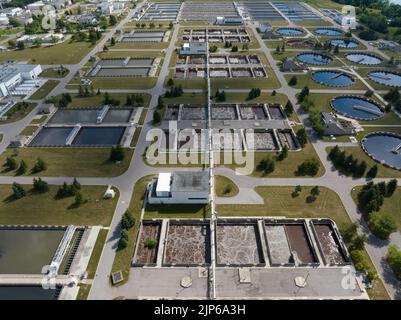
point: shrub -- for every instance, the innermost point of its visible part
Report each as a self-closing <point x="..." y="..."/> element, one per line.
<point x="22" y="168"/>
<point x="116" y="153"/>
<point x="40" y="186"/>
<point x="293" y="81"/>
<point x="18" y="191"/>
<point x="127" y="220"/>
<point x="10" y="164"/>
<point x="309" y="167"/>
<point x="39" y="166"/>
<point x="381" y="225"/>
<point x="150" y="244"/>
<point x="394" y="260"/>
<point x="266" y="165"/>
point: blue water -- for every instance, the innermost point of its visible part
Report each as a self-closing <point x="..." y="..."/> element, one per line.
<point x="380" y="147"/>
<point x="314" y="58"/>
<point x="328" y="31"/>
<point x="350" y="44"/>
<point x="332" y="78"/>
<point x="349" y="107"/>
<point x="99" y="136"/>
<point x="289" y="31"/>
<point x="386" y="78"/>
<point x="363" y="58"/>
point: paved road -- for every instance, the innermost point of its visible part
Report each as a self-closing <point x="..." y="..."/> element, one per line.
<point x="137" y="169"/>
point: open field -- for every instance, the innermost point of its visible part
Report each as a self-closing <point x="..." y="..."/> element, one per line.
<point x="64" y="53"/>
<point x="69" y="162"/>
<point x="45" y="209"/>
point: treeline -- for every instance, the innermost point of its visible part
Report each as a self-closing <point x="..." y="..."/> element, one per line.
<point x="370" y="200"/>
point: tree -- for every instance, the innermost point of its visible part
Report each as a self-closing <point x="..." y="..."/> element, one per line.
<point x="127" y="220"/>
<point x="40" y="186"/>
<point x="18" y="191"/>
<point x="160" y="103"/>
<point x="64" y="191"/>
<point x="267" y="165"/>
<point x="75" y="185"/>
<point x="302" y="137"/>
<point x="309" y="167"/>
<point x="372" y="172"/>
<point x="39" y="166"/>
<point x="283" y="153"/>
<point x="391" y="187"/>
<point x="112" y="20"/>
<point x="315" y="191"/>
<point x="381" y="225"/>
<point x="116" y="153"/>
<point x="20" y="45"/>
<point x="157" y="118"/>
<point x="10" y="164"/>
<point x="303" y="94"/>
<point x="122" y="243"/>
<point x="128" y="101"/>
<point x="112" y="41"/>
<point x="79" y="199"/>
<point x="293" y="81"/>
<point x="288" y="109"/>
<point x="22" y="168"/>
<point x="394" y="260"/>
<point x="14" y="22"/>
<point x="170" y="82"/>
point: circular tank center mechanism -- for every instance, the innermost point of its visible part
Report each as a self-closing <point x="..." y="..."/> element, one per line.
<point x="363" y="58"/>
<point x="388" y="78"/>
<point x="289" y="31"/>
<point x="384" y="147"/>
<point x="332" y="78"/>
<point x="314" y="58"/>
<point x="343" y="43"/>
<point x="186" y="282"/>
<point x="328" y="31"/>
<point x="357" y="108"/>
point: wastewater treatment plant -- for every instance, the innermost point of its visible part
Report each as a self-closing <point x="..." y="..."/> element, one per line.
<point x="200" y="150"/>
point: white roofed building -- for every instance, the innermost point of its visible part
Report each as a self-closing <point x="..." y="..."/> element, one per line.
<point x="180" y="188"/>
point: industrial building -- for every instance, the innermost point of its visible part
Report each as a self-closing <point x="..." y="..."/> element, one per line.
<point x="18" y="79"/>
<point x="180" y="188"/>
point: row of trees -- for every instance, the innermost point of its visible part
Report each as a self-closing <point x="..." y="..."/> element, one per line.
<point x="308" y="106"/>
<point x="350" y="166"/>
<point x="127" y="222"/>
<point x="370" y="199"/>
<point x="22" y="168"/>
<point x="18" y="191"/>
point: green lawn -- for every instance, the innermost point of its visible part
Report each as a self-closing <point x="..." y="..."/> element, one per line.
<point x="187" y="98"/>
<point x="44" y="90"/>
<point x="155" y="211"/>
<point x="70" y="162"/>
<point x="383" y="172"/>
<point x="64" y="53"/>
<point x="19" y="112"/>
<point x="29" y="130"/>
<point x="39" y="120"/>
<point x="44" y="209"/>
<point x="97" y="101"/>
<point x="52" y="73"/>
<point x="225" y="187"/>
<point x="96" y="253"/>
<point x="83" y="291"/>
<point x="285" y="168"/>
<point x="122" y="260"/>
<point x="391" y="205"/>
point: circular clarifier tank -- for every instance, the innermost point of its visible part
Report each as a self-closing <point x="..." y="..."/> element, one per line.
<point x="314" y="58"/>
<point x="363" y="58"/>
<point x="328" y="32"/>
<point x="332" y="78"/>
<point x="357" y="107"/>
<point x="290" y="32"/>
<point x="388" y="78"/>
<point x="343" y="43"/>
<point x="384" y="147"/>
